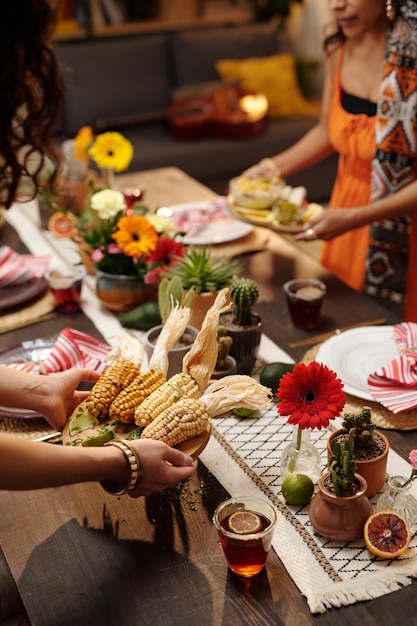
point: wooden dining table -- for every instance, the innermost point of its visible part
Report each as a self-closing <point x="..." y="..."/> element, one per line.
<point x="80" y="556"/>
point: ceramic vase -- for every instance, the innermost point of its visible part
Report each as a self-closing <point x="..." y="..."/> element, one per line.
<point x="201" y="304"/>
<point x="398" y="498"/>
<point x="177" y="352"/>
<point x="301" y="456"/>
<point x="122" y="293"/>
<point x="374" y="470"/>
<point x="339" y="518"/>
<point x="246" y="341"/>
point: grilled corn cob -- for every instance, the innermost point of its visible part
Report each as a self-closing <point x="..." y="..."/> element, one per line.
<point x="115" y="377"/>
<point x="183" y="420"/>
<point x="123" y="406"/>
<point x="177" y="387"/>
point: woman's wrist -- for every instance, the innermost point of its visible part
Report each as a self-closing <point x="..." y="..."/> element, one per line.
<point x="130" y="479"/>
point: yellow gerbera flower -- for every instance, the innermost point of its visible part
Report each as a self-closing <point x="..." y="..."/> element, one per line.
<point x="112" y="150"/>
<point x="136" y="236"/>
<point x="82" y="143"/>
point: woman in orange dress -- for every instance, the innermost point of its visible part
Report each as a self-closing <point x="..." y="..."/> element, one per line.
<point x="369" y="117"/>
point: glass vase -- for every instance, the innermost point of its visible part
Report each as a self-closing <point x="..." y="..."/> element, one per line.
<point x="398" y="498"/>
<point x="108" y="177"/>
<point x="301" y="456"/>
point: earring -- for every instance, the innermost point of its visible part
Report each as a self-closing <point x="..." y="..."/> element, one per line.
<point x="390" y="9"/>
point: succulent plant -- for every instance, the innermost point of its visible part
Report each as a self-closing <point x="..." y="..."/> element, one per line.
<point x="361" y="426"/>
<point x="224" y="343"/>
<point x="198" y="270"/>
<point x="244" y="293"/>
<point x="170" y="293"/>
<point x="342" y="466"/>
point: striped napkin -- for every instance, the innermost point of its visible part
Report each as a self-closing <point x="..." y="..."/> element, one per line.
<point x="16" y="269"/>
<point x="72" y="349"/>
<point x="394" y="385"/>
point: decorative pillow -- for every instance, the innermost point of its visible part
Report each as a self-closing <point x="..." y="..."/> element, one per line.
<point x="275" y="76"/>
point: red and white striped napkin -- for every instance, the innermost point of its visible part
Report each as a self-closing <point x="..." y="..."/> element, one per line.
<point x="71" y="349"/>
<point x="16" y="269"/>
<point x="394" y="385"/>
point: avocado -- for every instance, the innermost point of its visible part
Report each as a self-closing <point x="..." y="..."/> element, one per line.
<point x="143" y="317"/>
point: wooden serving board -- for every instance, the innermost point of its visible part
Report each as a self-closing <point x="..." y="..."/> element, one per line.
<point x="193" y="446"/>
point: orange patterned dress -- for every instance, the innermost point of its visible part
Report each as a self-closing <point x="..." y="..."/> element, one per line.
<point x="353" y="137"/>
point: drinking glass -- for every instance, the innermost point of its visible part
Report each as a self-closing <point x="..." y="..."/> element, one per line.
<point x="245" y="553"/>
<point x="65" y="284"/>
<point x="305" y="299"/>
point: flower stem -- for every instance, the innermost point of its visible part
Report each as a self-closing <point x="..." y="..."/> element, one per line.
<point x="293" y="462"/>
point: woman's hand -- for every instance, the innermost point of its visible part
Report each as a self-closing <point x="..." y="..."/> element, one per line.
<point x="329" y="224"/>
<point x="162" y="466"/>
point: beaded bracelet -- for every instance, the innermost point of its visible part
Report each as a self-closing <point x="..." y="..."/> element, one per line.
<point x="136" y="471"/>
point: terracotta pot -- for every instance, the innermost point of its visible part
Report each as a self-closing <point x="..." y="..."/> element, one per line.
<point x="123" y="293"/>
<point x="339" y="518"/>
<point x="246" y="341"/>
<point x="201" y="304"/>
<point x="177" y="353"/>
<point x="374" y="471"/>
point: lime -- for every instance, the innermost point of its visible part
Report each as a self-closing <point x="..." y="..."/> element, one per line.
<point x="297" y="489"/>
<point x="242" y="412"/>
<point x="99" y="440"/>
<point x="272" y="372"/>
<point x="143" y="317"/>
<point x="81" y="421"/>
<point x="244" y="522"/>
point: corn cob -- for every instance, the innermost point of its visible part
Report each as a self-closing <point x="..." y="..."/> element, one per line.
<point x="116" y="376"/>
<point x="177" y="387"/>
<point x="123" y="406"/>
<point x="181" y="421"/>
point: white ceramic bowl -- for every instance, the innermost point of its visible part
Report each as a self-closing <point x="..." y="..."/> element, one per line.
<point x="255" y="193"/>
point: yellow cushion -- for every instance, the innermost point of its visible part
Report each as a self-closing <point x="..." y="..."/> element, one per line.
<point x="275" y="76"/>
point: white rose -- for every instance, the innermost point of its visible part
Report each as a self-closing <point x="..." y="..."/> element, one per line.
<point x="108" y="203"/>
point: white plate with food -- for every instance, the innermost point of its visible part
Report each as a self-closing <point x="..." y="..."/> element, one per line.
<point x="205" y="223"/>
<point x="356" y="353"/>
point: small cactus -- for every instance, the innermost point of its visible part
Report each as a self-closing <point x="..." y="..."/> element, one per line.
<point x="342" y="466"/>
<point x="224" y="343"/>
<point x="170" y="293"/>
<point x="361" y="426"/>
<point x="244" y="293"/>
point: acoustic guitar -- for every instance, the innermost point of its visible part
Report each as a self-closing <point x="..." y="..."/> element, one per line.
<point x="231" y="112"/>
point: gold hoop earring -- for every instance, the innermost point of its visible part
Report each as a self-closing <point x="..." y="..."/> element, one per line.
<point x="390" y="9"/>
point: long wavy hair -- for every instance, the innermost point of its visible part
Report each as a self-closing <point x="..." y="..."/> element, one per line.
<point x="31" y="98"/>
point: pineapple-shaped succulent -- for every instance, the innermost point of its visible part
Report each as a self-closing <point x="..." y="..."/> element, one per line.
<point x="244" y="293"/>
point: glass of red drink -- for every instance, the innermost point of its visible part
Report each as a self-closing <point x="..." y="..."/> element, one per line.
<point x="245" y="527"/>
<point x="305" y="299"/>
<point x="65" y="284"/>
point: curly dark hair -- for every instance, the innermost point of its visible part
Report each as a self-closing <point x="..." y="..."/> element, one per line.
<point x="31" y="97"/>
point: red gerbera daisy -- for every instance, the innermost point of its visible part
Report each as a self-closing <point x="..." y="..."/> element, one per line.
<point x="166" y="249"/>
<point x="310" y="395"/>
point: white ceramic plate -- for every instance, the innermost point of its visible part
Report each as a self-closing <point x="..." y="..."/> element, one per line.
<point x="356" y="353"/>
<point x="218" y="231"/>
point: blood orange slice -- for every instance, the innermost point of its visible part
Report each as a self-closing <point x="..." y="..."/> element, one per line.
<point x="62" y="224"/>
<point x="387" y="534"/>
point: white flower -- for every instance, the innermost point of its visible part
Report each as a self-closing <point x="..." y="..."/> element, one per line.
<point x="162" y="224"/>
<point x="108" y="203"/>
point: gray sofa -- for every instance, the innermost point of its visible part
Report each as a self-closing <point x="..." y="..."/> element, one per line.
<point x="121" y="77"/>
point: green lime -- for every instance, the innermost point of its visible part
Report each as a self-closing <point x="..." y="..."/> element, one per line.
<point x="242" y="412"/>
<point x="271" y="374"/>
<point x="99" y="440"/>
<point x="81" y="421"/>
<point x="297" y="489"/>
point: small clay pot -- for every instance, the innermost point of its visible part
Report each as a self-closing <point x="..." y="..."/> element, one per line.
<point x="339" y="518"/>
<point x="227" y="371"/>
<point x="374" y="471"/>
<point x="177" y="353"/>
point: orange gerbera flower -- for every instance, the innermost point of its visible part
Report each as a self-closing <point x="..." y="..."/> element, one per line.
<point x="82" y="143"/>
<point x="310" y="395"/>
<point x="135" y="235"/>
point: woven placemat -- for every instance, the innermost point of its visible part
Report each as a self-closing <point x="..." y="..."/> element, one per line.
<point x="382" y="417"/>
<point x="29" y="314"/>
<point x="28" y="428"/>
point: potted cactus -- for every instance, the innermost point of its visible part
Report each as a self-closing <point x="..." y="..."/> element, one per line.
<point x="225" y="364"/>
<point x="242" y="324"/>
<point x="340" y="508"/>
<point x="206" y="275"/>
<point x="370" y="448"/>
